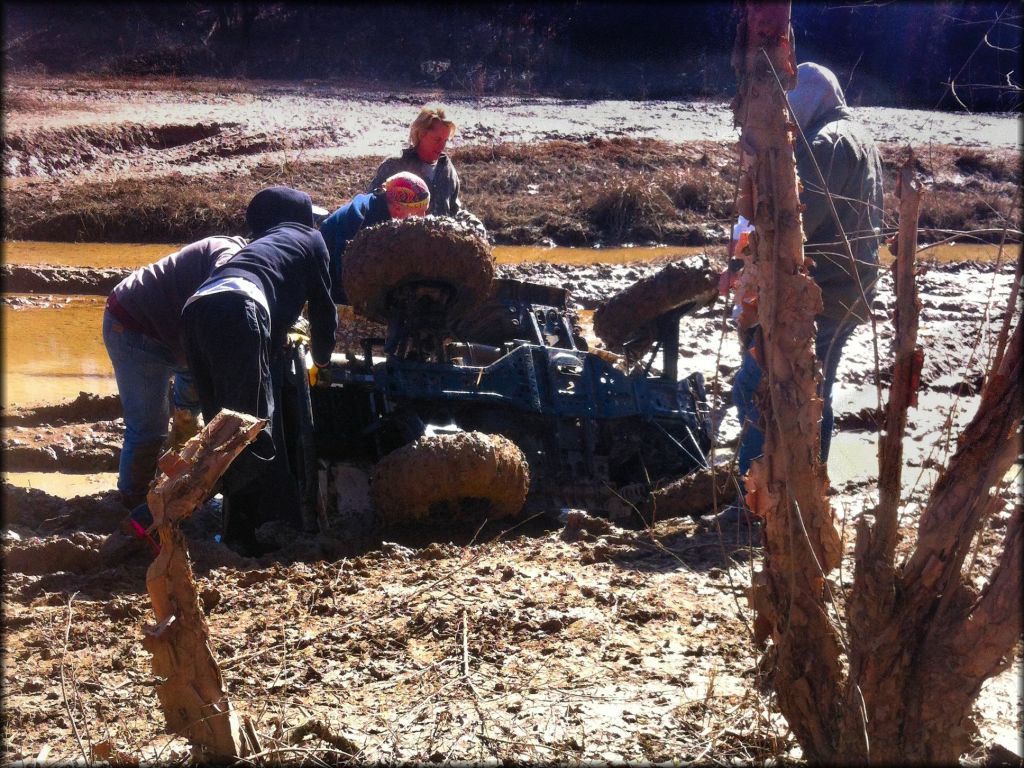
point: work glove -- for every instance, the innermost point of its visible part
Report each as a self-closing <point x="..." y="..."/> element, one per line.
<point x="319" y="375"/>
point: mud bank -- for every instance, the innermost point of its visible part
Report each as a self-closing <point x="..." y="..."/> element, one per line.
<point x="83" y="435"/>
<point x="171" y="160"/>
<point x="60" y="280"/>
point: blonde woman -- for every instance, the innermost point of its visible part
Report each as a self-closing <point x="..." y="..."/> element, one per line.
<point x="425" y="157"/>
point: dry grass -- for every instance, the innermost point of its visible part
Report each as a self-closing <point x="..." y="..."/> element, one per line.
<point x="568" y="192"/>
<point x="966" y="190"/>
<point x="633" y="205"/>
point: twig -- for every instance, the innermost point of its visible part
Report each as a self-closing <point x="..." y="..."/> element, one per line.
<point x="465" y="645"/>
<point x="321" y="731"/>
<point x="63" y="687"/>
<point x="1004" y="330"/>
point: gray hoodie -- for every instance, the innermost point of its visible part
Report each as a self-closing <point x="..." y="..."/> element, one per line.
<point x="851" y="169"/>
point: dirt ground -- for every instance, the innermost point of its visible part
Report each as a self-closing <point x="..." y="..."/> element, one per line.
<point x="560" y="637"/>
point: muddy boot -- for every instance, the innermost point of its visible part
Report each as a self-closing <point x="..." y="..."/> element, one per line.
<point x="141" y="472"/>
<point x="184" y="426"/>
<point x="131" y="538"/>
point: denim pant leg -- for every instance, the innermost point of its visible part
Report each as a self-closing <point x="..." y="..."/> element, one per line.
<point x="830" y="339"/>
<point x="185" y="395"/>
<point x="142" y="368"/>
<point x="829" y="342"/>
<point x="748" y="377"/>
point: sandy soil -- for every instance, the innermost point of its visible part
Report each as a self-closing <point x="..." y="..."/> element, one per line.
<point x="560" y="637"/>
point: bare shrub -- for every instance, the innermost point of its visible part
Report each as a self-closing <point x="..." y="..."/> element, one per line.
<point x="996" y="167"/>
<point x="631" y="205"/>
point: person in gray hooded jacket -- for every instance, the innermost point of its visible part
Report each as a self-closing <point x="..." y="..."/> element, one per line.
<point x="841" y="175"/>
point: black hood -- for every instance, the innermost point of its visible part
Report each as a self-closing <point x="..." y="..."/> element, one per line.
<point x="278" y="205"/>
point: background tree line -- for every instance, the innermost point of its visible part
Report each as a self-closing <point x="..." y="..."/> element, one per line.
<point x="903" y="53"/>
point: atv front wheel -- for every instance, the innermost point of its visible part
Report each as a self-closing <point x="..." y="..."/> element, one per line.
<point x="451" y="472"/>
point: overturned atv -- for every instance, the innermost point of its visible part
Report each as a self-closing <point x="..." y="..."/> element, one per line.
<point x="483" y="395"/>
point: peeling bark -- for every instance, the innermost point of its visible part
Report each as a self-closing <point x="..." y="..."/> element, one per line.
<point x="191" y="689"/>
<point x="787" y="487"/>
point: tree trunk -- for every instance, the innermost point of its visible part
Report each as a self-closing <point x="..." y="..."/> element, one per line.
<point x="786" y="488"/>
<point x="921" y="640"/>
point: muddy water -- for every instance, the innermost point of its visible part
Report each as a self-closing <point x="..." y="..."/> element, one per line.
<point x="53" y="353"/>
<point x="96" y="255"/>
<point x="64" y="484"/>
<point x="99" y="255"/>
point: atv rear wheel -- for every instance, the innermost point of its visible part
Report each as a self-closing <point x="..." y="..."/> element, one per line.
<point x="431" y="249"/>
<point x="451" y="471"/>
<point x="632" y="311"/>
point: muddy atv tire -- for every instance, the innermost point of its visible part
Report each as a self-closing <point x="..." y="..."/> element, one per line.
<point x="628" y="313"/>
<point x="387" y="256"/>
<point x="449" y="471"/>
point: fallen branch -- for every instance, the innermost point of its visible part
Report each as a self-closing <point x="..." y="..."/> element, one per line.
<point x="63" y="687"/>
<point x="321" y="731"/>
<point x="192" y="691"/>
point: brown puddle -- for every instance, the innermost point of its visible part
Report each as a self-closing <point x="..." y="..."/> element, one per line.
<point x="53" y="353"/>
<point x="99" y="255"/>
<point x="96" y="255"/>
<point x="63" y="484"/>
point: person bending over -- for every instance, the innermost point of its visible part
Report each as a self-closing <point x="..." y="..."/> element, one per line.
<point x="235" y="326"/>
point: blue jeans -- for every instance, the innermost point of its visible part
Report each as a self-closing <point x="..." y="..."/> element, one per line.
<point x="142" y="368"/>
<point x="829" y="341"/>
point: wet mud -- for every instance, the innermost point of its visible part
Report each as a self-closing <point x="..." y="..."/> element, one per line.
<point x="82" y="435"/>
<point x="557" y="638"/>
<point x="60" y="280"/>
